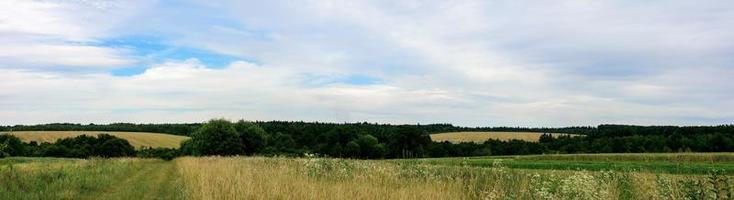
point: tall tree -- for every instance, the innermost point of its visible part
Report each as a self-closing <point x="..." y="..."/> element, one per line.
<point x="217" y="137"/>
<point x="252" y="136"/>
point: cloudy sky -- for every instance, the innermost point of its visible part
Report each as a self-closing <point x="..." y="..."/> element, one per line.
<point x="472" y="63"/>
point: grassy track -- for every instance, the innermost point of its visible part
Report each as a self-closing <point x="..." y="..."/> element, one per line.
<point x="480" y="137"/>
<point x="137" y="139"/>
<point x="41" y="178"/>
<point x="153" y="181"/>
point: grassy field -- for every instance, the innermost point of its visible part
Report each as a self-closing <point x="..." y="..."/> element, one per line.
<point x="49" y="178"/>
<point x="479" y="137"/>
<point x="323" y="178"/>
<point x="137" y="139"/>
<point x="673" y="163"/>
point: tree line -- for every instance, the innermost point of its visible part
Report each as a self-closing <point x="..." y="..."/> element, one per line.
<point x="275" y="126"/>
<point x="82" y="146"/>
<point x="372" y="141"/>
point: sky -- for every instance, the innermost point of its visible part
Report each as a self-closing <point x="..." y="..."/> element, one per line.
<point x="469" y="63"/>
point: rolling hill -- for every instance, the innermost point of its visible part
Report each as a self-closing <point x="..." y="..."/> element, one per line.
<point x="137" y="139"/>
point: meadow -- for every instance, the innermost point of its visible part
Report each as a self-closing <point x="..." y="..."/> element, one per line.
<point x="329" y="178"/>
<point x="671" y="163"/>
<point x="137" y="139"/>
<point x="479" y="137"/>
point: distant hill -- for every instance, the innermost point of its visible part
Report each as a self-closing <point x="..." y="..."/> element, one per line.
<point x="480" y="137"/>
<point x="137" y="139"/>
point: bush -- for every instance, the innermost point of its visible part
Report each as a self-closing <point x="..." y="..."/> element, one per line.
<point x="187" y="148"/>
<point x="111" y="146"/>
<point x="162" y="153"/>
<point x="83" y="146"/>
<point x="11" y="146"/>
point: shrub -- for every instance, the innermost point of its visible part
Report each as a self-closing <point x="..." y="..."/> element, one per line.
<point x="111" y="146"/>
<point x="11" y="146"/>
<point x="162" y="153"/>
<point x="83" y="146"/>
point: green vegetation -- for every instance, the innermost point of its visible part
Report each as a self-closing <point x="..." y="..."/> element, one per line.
<point x="10" y="145"/>
<point x="411" y="176"/>
<point x="48" y="178"/>
<point x="374" y="141"/>
<point x="327" y="178"/>
<point x="676" y="163"/>
<point x="81" y="146"/>
<point x="218" y="137"/>
<point x="221" y="137"/>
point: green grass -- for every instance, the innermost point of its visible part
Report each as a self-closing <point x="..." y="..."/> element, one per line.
<point x="52" y="178"/>
<point x="636" y="157"/>
<point x="675" y="163"/>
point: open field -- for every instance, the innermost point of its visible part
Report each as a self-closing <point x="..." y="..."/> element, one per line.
<point x="480" y="137"/>
<point x="323" y="178"/>
<point x="137" y="139"/>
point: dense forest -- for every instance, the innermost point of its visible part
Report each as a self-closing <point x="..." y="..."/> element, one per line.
<point x="372" y="141"/>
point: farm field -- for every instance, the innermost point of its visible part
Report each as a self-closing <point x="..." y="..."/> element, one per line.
<point x="325" y="178"/>
<point x="137" y="139"/>
<point x="480" y="137"/>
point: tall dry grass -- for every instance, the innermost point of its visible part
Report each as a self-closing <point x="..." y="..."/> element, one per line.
<point x="316" y="178"/>
<point x="282" y="178"/>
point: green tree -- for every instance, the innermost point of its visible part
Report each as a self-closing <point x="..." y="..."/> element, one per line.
<point x="410" y="141"/>
<point x="252" y="136"/>
<point x="352" y="149"/>
<point x="217" y="137"/>
<point x="11" y="146"/>
<point x="187" y="147"/>
<point x="111" y="146"/>
<point x="369" y="147"/>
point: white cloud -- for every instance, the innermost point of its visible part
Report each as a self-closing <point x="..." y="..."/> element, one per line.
<point x="62" y="55"/>
<point x="188" y="91"/>
<point x="75" y="20"/>
<point x="57" y="34"/>
<point x="469" y="63"/>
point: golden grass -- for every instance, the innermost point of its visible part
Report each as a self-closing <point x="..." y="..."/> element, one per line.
<point x="285" y="178"/>
<point x="208" y="178"/>
<point x="137" y="139"/>
<point x="480" y="137"/>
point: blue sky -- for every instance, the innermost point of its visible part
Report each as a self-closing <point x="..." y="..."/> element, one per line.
<point x="472" y="63"/>
<point x="150" y="50"/>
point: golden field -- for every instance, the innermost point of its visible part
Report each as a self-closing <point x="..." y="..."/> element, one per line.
<point x="480" y="137"/>
<point x="137" y="139"/>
